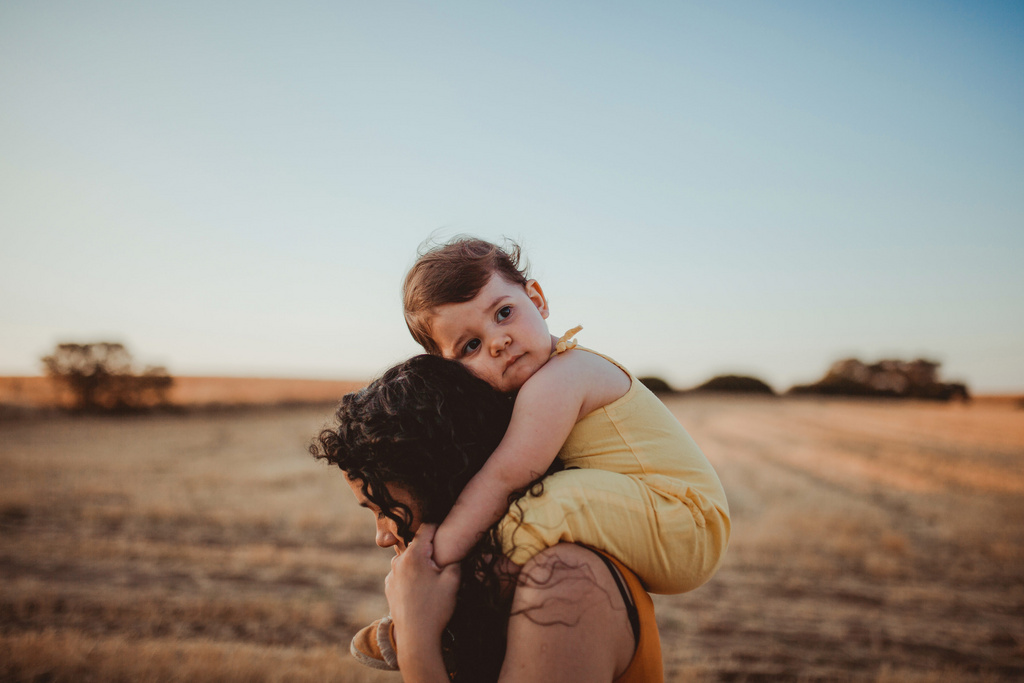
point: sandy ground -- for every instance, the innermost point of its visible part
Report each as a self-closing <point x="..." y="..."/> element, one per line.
<point x="871" y="542"/>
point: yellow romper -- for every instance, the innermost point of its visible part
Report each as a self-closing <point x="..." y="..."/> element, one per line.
<point x="644" y="493"/>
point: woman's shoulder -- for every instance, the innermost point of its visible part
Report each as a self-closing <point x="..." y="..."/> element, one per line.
<point x="564" y="556"/>
<point x="556" y="572"/>
<point x="567" y="599"/>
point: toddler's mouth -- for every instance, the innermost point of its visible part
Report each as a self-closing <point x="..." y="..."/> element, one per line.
<point x="511" y="362"/>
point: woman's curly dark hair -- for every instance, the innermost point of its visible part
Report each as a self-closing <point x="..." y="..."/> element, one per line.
<point x="429" y="425"/>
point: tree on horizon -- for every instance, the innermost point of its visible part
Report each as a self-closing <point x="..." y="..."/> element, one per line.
<point x="101" y="377"/>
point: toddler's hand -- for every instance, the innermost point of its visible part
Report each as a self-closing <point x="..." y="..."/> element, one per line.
<point x="444" y="550"/>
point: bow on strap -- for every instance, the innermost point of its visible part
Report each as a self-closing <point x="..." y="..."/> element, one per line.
<point x="565" y="342"/>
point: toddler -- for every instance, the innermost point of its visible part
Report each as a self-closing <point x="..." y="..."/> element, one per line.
<point x="640" y="488"/>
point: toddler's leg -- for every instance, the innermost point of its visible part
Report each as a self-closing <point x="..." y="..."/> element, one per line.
<point x="668" y="534"/>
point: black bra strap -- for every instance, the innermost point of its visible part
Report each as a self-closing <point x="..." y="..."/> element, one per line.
<point x="627" y="598"/>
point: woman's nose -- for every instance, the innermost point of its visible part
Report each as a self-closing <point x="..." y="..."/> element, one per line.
<point x="385" y="537"/>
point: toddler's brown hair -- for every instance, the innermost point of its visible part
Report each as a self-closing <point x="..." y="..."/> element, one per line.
<point x="452" y="273"/>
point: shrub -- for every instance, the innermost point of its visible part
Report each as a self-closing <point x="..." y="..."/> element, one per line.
<point x="101" y="378"/>
<point x="885" y="379"/>
<point x="736" y="384"/>
<point x="657" y="385"/>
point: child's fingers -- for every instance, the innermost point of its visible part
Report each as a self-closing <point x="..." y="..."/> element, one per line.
<point x="424" y="542"/>
<point x="423" y="545"/>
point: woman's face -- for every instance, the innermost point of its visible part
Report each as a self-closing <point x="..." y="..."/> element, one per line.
<point x="387" y="529"/>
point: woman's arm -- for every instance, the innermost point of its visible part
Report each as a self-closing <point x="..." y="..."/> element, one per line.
<point x="569" y="622"/>
<point x="422" y="600"/>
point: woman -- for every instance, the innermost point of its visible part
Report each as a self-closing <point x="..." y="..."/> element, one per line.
<point x="407" y="444"/>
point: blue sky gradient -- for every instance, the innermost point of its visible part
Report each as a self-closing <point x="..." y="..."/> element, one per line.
<point x="763" y="188"/>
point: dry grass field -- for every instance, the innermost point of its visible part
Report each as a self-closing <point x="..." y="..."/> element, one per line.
<point x="185" y="392"/>
<point x="872" y="541"/>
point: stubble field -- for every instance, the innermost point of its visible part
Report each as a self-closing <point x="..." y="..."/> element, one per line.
<point x="872" y="541"/>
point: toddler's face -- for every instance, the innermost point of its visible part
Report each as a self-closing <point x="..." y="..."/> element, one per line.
<point x="499" y="335"/>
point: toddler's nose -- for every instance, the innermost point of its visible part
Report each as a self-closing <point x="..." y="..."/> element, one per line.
<point x="499" y="344"/>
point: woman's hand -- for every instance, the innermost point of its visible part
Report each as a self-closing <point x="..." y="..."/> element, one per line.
<point x="422" y="600"/>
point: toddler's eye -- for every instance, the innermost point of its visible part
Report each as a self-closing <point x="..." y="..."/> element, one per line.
<point x="471" y="345"/>
<point x="504" y="312"/>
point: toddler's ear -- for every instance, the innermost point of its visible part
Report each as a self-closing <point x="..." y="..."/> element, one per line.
<point x="536" y="295"/>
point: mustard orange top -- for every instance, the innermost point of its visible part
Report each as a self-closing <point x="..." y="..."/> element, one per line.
<point x="646" y="665"/>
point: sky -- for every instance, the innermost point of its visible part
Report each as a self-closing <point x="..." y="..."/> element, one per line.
<point x="752" y="188"/>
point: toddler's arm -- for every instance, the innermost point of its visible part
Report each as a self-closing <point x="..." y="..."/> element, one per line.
<point x="547" y="407"/>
